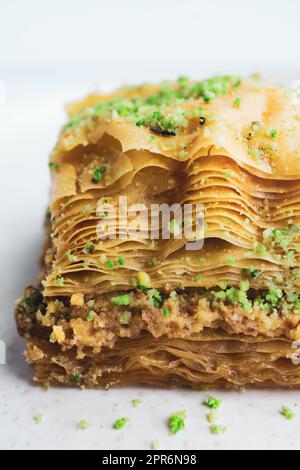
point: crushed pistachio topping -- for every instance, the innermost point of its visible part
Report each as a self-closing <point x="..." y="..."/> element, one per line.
<point x="72" y="258"/>
<point x="121" y="423"/>
<point x="166" y="312"/>
<point x="272" y="133"/>
<point x="98" y="174"/>
<point x="237" y="296"/>
<point x="125" y="318"/>
<point x="251" y="272"/>
<point x="230" y="261"/>
<point x="152" y="262"/>
<point x="27" y="301"/>
<point x="155" y="298"/>
<point x="123" y="299"/>
<point x="89" y="248"/>
<point x="164" y="111"/>
<point x="59" y="281"/>
<point x="223" y="285"/>
<point x="237" y="102"/>
<point x="110" y="264"/>
<point x="91" y="316"/>
<point x="217" y="429"/>
<point x="83" y="425"/>
<point x="136" y="402"/>
<point x="287" y="413"/>
<point x="38" y="418"/>
<point x="54" y="166"/>
<point x="177" y="422"/>
<point x="268" y="300"/>
<point x="75" y="378"/>
<point x="103" y="215"/>
<point x="274" y="295"/>
<point x="260" y="249"/>
<point x="212" y="403"/>
<point x="279" y="243"/>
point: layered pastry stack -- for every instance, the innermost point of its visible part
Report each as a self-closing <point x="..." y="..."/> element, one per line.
<point x="130" y="309"/>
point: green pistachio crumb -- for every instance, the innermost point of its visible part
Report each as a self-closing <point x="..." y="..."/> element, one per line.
<point x="251" y="272"/>
<point x="287" y="413"/>
<point x="91" y="316"/>
<point x="158" y="112"/>
<point x="152" y="262"/>
<point x="177" y="421"/>
<point x="97" y="174"/>
<point x="212" y="403"/>
<point x="38" y="418"/>
<point x="216" y="429"/>
<point x="121" y="423"/>
<point x="261" y="250"/>
<point x="89" y="248"/>
<point x="236" y="296"/>
<point x="237" y="102"/>
<point x="136" y="402"/>
<point x="272" y="133"/>
<point x="83" y="425"/>
<point x="155" y="298"/>
<point x="125" y="318"/>
<point x="54" y="166"/>
<point x="244" y="286"/>
<point x="72" y="258"/>
<point x="223" y="285"/>
<point x="166" y="312"/>
<point x="123" y="299"/>
<point x="59" y="281"/>
<point x="75" y="378"/>
<point x="110" y="264"/>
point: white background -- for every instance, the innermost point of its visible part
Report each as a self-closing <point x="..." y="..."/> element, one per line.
<point x="52" y="52"/>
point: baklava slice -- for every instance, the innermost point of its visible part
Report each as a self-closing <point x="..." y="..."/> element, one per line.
<point x="125" y="300"/>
